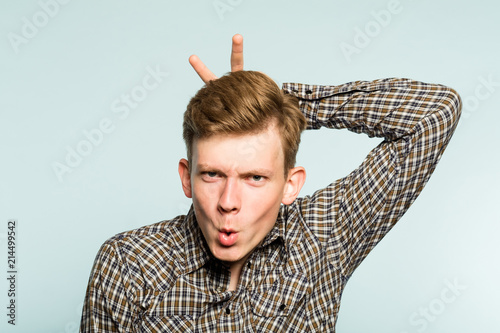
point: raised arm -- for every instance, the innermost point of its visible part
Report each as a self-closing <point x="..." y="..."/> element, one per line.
<point x="416" y="121"/>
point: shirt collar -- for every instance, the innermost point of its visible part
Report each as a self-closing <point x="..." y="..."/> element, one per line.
<point x="279" y="229"/>
<point x="196" y="250"/>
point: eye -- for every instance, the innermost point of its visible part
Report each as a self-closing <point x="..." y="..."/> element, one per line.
<point x="257" y="178"/>
<point x="209" y="175"/>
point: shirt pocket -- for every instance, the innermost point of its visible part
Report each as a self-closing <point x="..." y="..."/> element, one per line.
<point x="282" y="298"/>
<point x="182" y="300"/>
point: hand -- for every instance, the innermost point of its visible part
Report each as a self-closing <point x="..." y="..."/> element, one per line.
<point x="236" y="61"/>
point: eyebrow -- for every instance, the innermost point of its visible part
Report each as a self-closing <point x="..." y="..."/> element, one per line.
<point x="260" y="172"/>
<point x="206" y="167"/>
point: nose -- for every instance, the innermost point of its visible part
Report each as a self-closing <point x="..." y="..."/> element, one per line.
<point x="230" y="199"/>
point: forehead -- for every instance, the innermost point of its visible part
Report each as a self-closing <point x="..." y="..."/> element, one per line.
<point x="261" y="150"/>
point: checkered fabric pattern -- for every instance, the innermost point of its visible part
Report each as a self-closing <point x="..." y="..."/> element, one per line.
<point x="162" y="277"/>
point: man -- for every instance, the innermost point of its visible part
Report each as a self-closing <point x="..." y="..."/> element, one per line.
<point x="250" y="256"/>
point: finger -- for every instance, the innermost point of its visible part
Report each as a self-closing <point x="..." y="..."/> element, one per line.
<point x="237" y="53"/>
<point x="203" y="72"/>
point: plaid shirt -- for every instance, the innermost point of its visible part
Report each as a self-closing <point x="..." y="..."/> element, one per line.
<point x="162" y="277"/>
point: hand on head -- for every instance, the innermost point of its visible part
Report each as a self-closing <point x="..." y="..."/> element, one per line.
<point x="236" y="61"/>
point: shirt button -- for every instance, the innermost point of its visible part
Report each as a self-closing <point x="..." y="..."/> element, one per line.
<point x="228" y="311"/>
<point x="282" y="307"/>
<point x="309" y="92"/>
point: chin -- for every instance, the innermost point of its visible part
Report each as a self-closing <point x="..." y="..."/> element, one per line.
<point x="223" y="255"/>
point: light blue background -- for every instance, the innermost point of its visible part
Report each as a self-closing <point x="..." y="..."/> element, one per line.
<point x="63" y="81"/>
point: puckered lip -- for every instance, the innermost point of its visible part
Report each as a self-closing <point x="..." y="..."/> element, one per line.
<point x="227" y="230"/>
<point x="228" y="237"/>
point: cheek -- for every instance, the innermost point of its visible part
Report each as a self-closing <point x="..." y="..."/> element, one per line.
<point x="204" y="195"/>
<point x="265" y="203"/>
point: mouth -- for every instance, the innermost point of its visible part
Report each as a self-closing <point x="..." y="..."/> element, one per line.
<point x="227" y="231"/>
<point x="227" y="237"/>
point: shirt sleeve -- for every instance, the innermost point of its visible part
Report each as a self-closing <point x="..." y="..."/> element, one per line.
<point x="415" y="120"/>
<point x="107" y="306"/>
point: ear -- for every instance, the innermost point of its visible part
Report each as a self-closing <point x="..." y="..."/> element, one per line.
<point x="185" y="177"/>
<point x="295" y="181"/>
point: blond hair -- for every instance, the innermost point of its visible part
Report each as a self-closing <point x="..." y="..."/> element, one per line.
<point x="244" y="102"/>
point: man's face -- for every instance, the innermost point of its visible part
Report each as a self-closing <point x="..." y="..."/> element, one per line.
<point x="237" y="185"/>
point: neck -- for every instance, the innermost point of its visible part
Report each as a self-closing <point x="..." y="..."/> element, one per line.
<point x="235" y="269"/>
